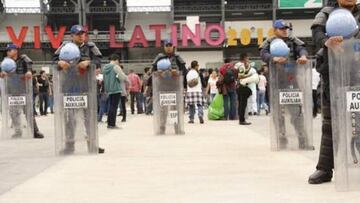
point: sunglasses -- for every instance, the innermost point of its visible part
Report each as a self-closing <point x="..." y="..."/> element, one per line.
<point x="169" y="45"/>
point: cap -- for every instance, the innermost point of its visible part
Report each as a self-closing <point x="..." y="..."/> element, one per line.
<point x="11" y="47"/>
<point x="167" y="42"/>
<point x="280" y="24"/>
<point x="76" y="29"/>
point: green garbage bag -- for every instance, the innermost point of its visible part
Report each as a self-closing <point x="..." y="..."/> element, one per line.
<point x="216" y="108"/>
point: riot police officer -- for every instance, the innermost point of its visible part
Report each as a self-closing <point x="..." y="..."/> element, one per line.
<point x="23" y="67"/>
<point x="299" y="54"/>
<point x="177" y="64"/>
<point x="325" y="164"/>
<point x="90" y="58"/>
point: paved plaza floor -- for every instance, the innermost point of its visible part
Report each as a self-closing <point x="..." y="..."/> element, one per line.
<point x="219" y="161"/>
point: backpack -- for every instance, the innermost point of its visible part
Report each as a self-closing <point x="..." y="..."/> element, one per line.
<point x="229" y="76"/>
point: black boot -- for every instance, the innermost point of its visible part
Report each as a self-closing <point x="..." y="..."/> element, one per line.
<point x="38" y="135"/>
<point x="101" y="150"/>
<point x="320" y="176"/>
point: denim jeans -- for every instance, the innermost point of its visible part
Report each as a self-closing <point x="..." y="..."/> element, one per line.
<point x="230" y="105"/>
<point x="43" y="97"/>
<point x="192" y="111"/>
<point x="104" y="102"/>
<point x="51" y="103"/>
<point x="149" y="105"/>
<point x="136" y="96"/>
<point x="261" y="101"/>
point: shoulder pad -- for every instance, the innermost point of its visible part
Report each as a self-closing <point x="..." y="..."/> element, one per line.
<point x="267" y="42"/>
<point x="158" y="57"/>
<point x="25" y="58"/>
<point x="322" y="16"/>
<point x="297" y="41"/>
<point x="90" y="44"/>
<point x="65" y="42"/>
<point x="327" y="9"/>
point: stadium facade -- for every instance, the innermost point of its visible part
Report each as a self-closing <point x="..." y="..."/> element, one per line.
<point x="204" y="30"/>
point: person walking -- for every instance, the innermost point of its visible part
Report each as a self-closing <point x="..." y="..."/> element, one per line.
<point x="227" y="85"/>
<point x="194" y="93"/>
<point x="135" y="90"/>
<point x="112" y="76"/>
<point x="261" y="93"/>
<point x="211" y="86"/>
<point x="43" y="92"/>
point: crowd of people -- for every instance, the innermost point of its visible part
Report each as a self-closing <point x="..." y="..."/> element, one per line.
<point x="241" y="87"/>
<point x="202" y="85"/>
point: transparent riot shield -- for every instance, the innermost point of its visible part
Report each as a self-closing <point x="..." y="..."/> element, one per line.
<point x="17" y="107"/>
<point x="75" y="111"/>
<point x="291" y="105"/>
<point x="344" y="73"/>
<point x="168" y="100"/>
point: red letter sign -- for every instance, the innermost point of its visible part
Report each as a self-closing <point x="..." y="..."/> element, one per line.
<point x="138" y="37"/>
<point x="55" y="41"/>
<point x="113" y="43"/>
<point x="17" y="40"/>
<point x="187" y="33"/>
<point x="213" y="28"/>
<point x="37" y="43"/>
<point x="157" y="29"/>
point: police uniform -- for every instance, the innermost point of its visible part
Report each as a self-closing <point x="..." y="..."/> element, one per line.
<point x="326" y="157"/>
<point x="297" y="49"/>
<point x="72" y="84"/>
<point x="177" y="63"/>
<point x="23" y="65"/>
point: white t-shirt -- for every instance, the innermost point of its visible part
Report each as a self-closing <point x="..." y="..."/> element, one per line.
<point x="193" y="74"/>
<point x="212" y="84"/>
<point x="262" y="83"/>
<point x="315" y="79"/>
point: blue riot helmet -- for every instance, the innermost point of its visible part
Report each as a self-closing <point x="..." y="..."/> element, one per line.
<point x="279" y="48"/>
<point x="69" y="52"/>
<point x="8" y="65"/>
<point x="341" y="22"/>
<point x="164" y="64"/>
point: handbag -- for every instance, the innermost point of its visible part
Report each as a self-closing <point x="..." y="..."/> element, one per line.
<point x="192" y="83"/>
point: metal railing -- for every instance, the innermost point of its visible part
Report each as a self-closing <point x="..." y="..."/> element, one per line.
<point x="103" y="9"/>
<point x="30" y="10"/>
<point x="149" y="8"/>
<point x="61" y="10"/>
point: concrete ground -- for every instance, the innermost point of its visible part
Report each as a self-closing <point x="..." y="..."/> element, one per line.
<point x="219" y="161"/>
